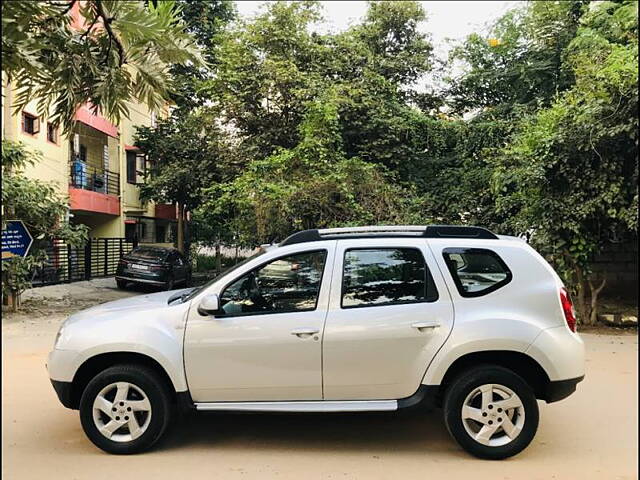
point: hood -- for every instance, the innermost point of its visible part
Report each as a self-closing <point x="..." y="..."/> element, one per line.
<point x="128" y="306"/>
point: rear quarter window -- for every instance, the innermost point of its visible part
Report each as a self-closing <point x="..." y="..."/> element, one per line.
<point x="476" y="271"/>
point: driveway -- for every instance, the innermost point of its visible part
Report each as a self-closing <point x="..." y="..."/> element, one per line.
<point x="592" y="434"/>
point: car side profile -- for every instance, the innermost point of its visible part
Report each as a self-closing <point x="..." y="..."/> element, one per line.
<point x="150" y="265"/>
<point x="335" y="320"/>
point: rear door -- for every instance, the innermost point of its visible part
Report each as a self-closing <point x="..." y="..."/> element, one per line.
<point x="389" y="313"/>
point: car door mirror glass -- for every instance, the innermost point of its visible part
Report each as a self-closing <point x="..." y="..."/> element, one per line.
<point x="209" y="305"/>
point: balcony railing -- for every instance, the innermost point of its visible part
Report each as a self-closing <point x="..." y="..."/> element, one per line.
<point x="88" y="177"/>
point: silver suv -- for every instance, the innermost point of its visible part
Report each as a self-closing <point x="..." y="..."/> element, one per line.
<point x="335" y="320"/>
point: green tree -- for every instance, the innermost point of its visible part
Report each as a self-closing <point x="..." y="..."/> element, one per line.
<point x="43" y="212"/>
<point x="122" y="52"/>
<point x="519" y="62"/>
<point x="205" y="22"/>
<point x="569" y="177"/>
<point x="312" y="185"/>
<point x="184" y="155"/>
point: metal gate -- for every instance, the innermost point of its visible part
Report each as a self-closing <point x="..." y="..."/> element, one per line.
<point x="98" y="258"/>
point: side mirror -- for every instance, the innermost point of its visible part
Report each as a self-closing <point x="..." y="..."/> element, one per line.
<point x="209" y="305"/>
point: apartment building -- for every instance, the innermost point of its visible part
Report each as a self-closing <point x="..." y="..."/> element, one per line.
<point x="96" y="167"/>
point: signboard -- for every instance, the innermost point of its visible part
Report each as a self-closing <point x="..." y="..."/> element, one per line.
<point x="16" y="240"/>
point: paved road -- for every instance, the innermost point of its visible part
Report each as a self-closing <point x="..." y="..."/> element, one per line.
<point x="592" y="434"/>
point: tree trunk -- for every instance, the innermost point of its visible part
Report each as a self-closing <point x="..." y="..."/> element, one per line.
<point x="594" y="300"/>
<point x="582" y="306"/>
<point x="218" y="259"/>
<point x="587" y="298"/>
<point x="180" y="239"/>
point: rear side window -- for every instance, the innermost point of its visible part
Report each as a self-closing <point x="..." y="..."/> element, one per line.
<point x="386" y="276"/>
<point x="476" y="271"/>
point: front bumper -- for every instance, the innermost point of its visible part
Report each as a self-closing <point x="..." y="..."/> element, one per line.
<point x="64" y="392"/>
<point x="561" y="389"/>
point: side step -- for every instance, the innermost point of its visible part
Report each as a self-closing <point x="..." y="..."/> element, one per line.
<point x="302" y="406"/>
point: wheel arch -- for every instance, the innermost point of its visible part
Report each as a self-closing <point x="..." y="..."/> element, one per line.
<point x="97" y="363"/>
<point x="520" y="363"/>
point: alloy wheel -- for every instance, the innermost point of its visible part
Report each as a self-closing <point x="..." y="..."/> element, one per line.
<point x="121" y="412"/>
<point x="493" y="415"/>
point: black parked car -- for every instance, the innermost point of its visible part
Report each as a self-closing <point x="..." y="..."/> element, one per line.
<point x="164" y="267"/>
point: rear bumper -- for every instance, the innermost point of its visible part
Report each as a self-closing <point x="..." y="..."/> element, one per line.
<point x="63" y="390"/>
<point x="140" y="280"/>
<point x="561" y="389"/>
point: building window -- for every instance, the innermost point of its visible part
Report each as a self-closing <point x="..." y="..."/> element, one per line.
<point x="30" y="123"/>
<point x="52" y="133"/>
<point x="131" y="168"/>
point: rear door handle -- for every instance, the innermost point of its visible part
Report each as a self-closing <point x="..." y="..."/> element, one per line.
<point x="424" y="325"/>
<point x="304" y="332"/>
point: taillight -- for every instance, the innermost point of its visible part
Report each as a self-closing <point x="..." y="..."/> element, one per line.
<point x="567" y="309"/>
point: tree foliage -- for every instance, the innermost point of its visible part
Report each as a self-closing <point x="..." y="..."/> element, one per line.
<point x="120" y="52"/>
<point x="570" y="174"/>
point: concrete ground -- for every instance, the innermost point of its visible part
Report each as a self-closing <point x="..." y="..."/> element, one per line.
<point x="591" y="435"/>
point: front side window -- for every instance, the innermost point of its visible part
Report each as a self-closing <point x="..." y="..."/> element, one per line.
<point x="288" y="284"/>
<point x="476" y="271"/>
<point x="386" y="276"/>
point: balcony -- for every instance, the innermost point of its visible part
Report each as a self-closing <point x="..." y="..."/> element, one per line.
<point x="87" y="177"/>
<point x="93" y="186"/>
<point x="94" y="190"/>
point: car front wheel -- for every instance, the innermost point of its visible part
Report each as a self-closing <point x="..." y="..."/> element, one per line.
<point x="491" y="412"/>
<point x="125" y="409"/>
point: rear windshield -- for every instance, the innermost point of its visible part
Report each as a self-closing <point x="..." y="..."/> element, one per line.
<point x="146" y="253"/>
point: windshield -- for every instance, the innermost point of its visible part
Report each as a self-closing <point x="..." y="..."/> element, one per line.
<point x="197" y="290"/>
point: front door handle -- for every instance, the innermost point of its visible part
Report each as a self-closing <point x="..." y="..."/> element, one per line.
<point x="421" y="326"/>
<point x="304" y="332"/>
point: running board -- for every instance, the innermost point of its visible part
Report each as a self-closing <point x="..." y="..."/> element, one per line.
<point x="302" y="406"/>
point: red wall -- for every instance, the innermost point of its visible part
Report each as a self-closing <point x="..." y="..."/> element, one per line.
<point x="167" y="211"/>
<point x="94" y="201"/>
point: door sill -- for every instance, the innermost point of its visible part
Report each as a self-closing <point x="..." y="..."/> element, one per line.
<point x="302" y="406"/>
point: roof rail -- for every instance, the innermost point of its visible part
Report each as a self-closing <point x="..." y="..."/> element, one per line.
<point x="426" y="231"/>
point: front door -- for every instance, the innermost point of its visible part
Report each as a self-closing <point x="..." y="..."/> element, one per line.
<point x="389" y="314"/>
<point x="266" y="342"/>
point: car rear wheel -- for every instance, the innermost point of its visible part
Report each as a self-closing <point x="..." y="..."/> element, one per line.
<point x="125" y="409"/>
<point x="491" y="412"/>
<point x="122" y="284"/>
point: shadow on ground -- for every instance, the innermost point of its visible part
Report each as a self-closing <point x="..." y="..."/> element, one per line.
<point x="354" y="432"/>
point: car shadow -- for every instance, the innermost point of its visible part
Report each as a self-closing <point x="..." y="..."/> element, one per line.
<point x="398" y="431"/>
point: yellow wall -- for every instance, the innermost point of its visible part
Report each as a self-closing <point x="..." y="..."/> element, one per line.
<point x="138" y="115"/>
<point x="53" y="168"/>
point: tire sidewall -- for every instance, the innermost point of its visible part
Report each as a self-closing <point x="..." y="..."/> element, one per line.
<point x="150" y="384"/>
<point x="472" y="379"/>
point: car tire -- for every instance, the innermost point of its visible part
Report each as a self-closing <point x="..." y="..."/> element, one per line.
<point x="475" y="418"/>
<point x="169" y="284"/>
<point x="125" y="409"/>
<point x="122" y="284"/>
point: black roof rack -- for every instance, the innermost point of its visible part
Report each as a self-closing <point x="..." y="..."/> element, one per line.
<point x="428" y="231"/>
